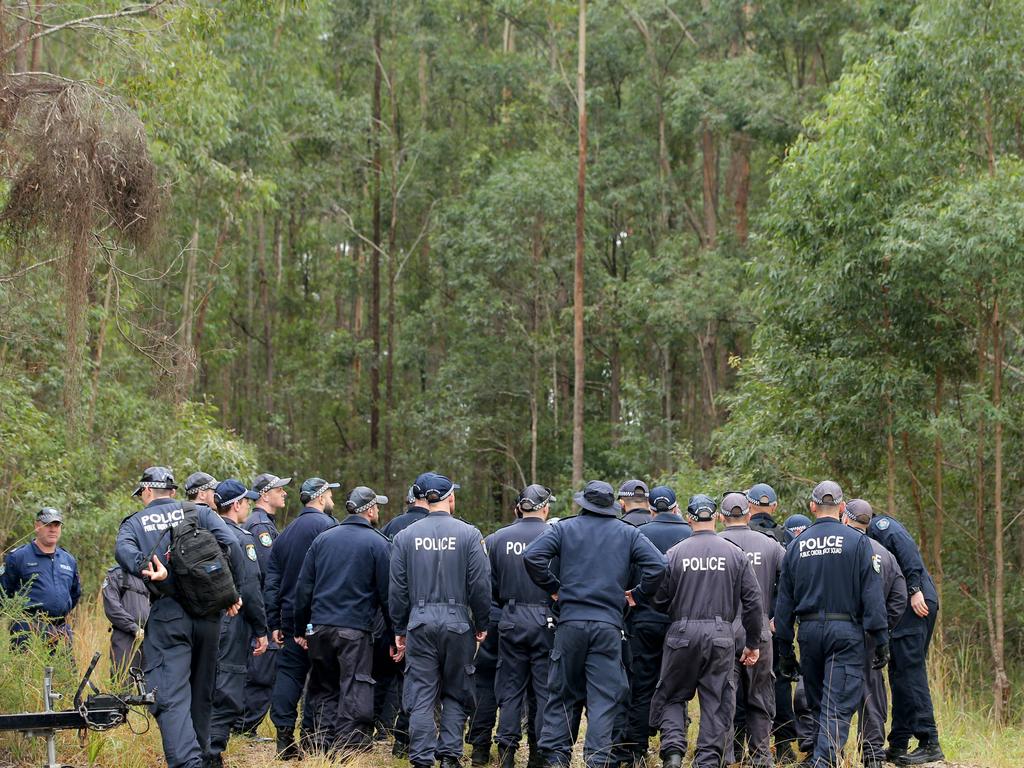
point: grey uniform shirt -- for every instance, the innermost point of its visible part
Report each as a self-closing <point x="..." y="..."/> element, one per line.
<point x="765" y="555"/>
<point x="710" y="578"/>
<point x="894" y="585"/>
<point x="439" y="561"/>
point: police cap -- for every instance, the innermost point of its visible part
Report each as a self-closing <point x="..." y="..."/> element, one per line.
<point x="437" y="487"/>
<point x="795" y="525"/>
<point x="735" y="504"/>
<point x="828" y="493"/>
<point x="662" y="498"/>
<point x="534" y="497"/>
<point x="859" y="510"/>
<point x="314" y="488"/>
<point x="268" y="482"/>
<point x="48" y="515"/>
<point x="198" y="482"/>
<point x="633" y="489"/>
<point x="762" y="494"/>
<point x="599" y="498"/>
<point x="362" y="498"/>
<point x="419" y="485"/>
<point x="701" y="508"/>
<point x="231" y="490"/>
<point x="156" y="477"/>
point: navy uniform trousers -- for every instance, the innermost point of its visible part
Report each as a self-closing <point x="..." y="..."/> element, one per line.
<point x="524" y="649"/>
<point x="485" y="710"/>
<point x="289" y="683"/>
<point x="439" y="670"/>
<point x="646" y="641"/>
<point x="698" y="660"/>
<point x="586" y="664"/>
<point x="832" y="665"/>
<point x="341" y="687"/>
<point x="229" y="694"/>
<point x="180" y="655"/>
<point x="912" y="711"/>
<point x="873" y="709"/>
<point x="755" y="698"/>
<point x="259" y="685"/>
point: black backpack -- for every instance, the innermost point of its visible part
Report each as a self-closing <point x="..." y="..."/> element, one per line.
<point x="202" y="575"/>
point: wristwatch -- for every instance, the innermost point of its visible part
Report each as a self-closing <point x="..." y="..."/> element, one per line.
<point x="913" y="591"/>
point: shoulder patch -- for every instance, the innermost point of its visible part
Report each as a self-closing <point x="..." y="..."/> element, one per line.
<point x="265" y="539"/>
<point x="250" y="552"/>
<point x="876" y="563"/>
<point x="883" y="524"/>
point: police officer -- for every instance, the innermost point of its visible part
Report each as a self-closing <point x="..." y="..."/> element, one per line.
<point x="259" y="673"/>
<point x="647" y="626"/>
<point x="180" y="650"/>
<point x="286" y="559"/>
<point x="597" y="555"/>
<point x="47" y="574"/>
<point x="709" y="579"/>
<point x="635" y="507"/>
<point x="874" y="706"/>
<point x="525" y="637"/>
<point x="755" y="687"/>
<point x="792" y="718"/>
<point x="440" y="595"/>
<point x="236" y="632"/>
<point x="912" y="711"/>
<point x="342" y="587"/>
<point x="830" y="585"/>
<point x="416" y="510"/>
<point x="126" y="606"/>
<point x="764" y="502"/>
<point x="390" y="676"/>
<point x="199" y="489"/>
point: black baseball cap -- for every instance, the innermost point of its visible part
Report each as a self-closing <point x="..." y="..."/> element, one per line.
<point x="419" y="485"/>
<point x="859" y="510"/>
<point x="156" y="477"/>
<point x="662" y="498"/>
<point x="762" y="494"/>
<point x="198" y="482"/>
<point x="534" y="497"/>
<point x="268" y="482"/>
<point x="362" y="498"/>
<point x="314" y="488"/>
<point x="701" y="507"/>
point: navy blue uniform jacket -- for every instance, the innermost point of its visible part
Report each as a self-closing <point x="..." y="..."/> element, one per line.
<point x="893" y="536"/>
<point x="344" y="578"/>
<point x="263" y="528"/>
<point x="250" y="588"/>
<point x="664" y="531"/>
<point x="52" y="580"/>
<point x="597" y="555"/>
<point x="286" y="558"/>
<point x="509" y="579"/>
<point x="144" y="533"/>
<point x="412" y="515"/>
<point x="828" y="569"/>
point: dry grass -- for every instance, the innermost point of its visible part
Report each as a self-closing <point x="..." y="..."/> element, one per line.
<point x="969" y="739"/>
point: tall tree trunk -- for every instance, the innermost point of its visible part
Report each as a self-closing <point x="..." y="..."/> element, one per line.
<point x="267" y="310"/>
<point x="938" y="521"/>
<point x="389" y="363"/>
<point x="187" y="365"/>
<point x="101" y="340"/>
<point x="577" y="345"/>
<point x="37" y="44"/>
<point x="890" y="460"/>
<point x="76" y="281"/>
<point x="741" y="185"/>
<point x="378" y="75"/>
<point x="709" y="150"/>
<point x="24" y="29"/>
<point x="1002" y="681"/>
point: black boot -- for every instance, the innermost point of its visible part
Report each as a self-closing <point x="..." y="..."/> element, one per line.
<point x="287" y="749"/>
<point x="453" y="762"/>
<point x="893" y="754"/>
<point x="926" y="752"/>
<point x="535" y="759"/>
<point x="784" y="753"/>
<point x="481" y="755"/>
<point x="672" y="760"/>
<point x="506" y="756"/>
<point x="400" y="749"/>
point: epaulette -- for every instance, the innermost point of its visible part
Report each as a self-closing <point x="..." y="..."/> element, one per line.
<point x="380" y="533"/>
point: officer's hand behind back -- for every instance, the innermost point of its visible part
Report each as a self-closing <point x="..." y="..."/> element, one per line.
<point x="881" y="656"/>
<point x="261" y="646"/>
<point x="788" y="667"/>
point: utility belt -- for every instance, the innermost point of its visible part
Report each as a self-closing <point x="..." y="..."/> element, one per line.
<point x="823" y="616"/>
<point x="512" y="604"/>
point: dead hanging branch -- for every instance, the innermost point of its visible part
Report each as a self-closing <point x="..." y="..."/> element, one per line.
<point x="76" y="162"/>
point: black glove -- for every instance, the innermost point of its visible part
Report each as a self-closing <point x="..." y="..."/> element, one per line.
<point x="881" y="656"/>
<point x="788" y="667"/>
